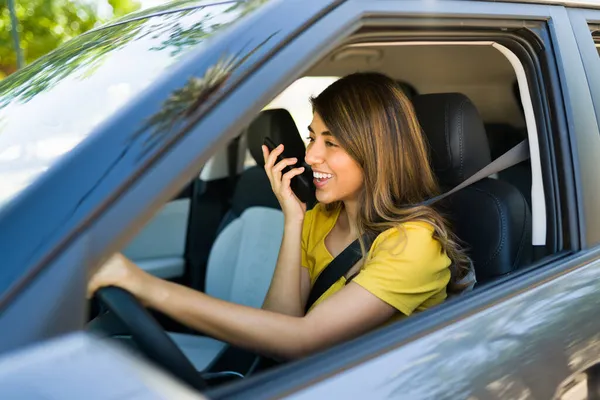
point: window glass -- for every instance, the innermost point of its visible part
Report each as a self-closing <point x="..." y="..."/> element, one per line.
<point x="50" y="106"/>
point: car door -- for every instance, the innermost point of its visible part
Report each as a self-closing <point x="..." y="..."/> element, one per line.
<point x="505" y="335"/>
<point x="530" y="335"/>
<point x="586" y="27"/>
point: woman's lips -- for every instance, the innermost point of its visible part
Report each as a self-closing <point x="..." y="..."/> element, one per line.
<point x="320" y="183"/>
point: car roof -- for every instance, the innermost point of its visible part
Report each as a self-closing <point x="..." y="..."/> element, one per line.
<point x="567" y="3"/>
<point x="168" y="7"/>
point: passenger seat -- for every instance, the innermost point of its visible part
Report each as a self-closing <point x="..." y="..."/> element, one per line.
<point x="243" y="257"/>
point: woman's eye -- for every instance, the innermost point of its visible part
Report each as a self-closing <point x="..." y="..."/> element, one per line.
<point x="309" y="139"/>
<point x="330" y="144"/>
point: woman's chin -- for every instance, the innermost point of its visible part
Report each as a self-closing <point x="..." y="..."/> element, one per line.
<point x="324" y="197"/>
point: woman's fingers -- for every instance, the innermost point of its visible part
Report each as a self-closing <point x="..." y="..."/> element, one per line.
<point x="91" y="289"/>
<point x="272" y="156"/>
<point x="265" y="152"/>
<point x="96" y="282"/>
<point x="116" y="271"/>
<point x="284" y="163"/>
<point x="287" y="177"/>
<point x="276" y="173"/>
<point x="274" y="168"/>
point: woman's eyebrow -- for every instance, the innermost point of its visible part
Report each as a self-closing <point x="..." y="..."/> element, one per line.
<point x="324" y="133"/>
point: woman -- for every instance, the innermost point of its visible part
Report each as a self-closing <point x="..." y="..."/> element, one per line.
<point x="371" y="169"/>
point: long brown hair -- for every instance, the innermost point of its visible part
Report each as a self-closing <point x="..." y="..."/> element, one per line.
<point x="375" y="123"/>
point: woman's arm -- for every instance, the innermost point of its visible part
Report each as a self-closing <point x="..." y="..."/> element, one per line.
<point x="345" y="315"/>
<point x="290" y="285"/>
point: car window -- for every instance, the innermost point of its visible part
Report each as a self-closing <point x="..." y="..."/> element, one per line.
<point x="53" y="104"/>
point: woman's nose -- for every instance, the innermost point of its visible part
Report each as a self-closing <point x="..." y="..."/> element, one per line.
<point x="314" y="154"/>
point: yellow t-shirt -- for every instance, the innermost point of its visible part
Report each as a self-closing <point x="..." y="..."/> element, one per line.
<point x="405" y="266"/>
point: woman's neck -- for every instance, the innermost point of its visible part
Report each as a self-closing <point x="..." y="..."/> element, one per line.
<point x="349" y="218"/>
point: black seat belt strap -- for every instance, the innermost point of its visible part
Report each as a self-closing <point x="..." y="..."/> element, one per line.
<point x="334" y="271"/>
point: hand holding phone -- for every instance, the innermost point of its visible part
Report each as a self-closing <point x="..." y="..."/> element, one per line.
<point x="302" y="185"/>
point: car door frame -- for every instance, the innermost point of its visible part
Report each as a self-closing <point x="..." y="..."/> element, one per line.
<point x="170" y="170"/>
<point x="581" y="19"/>
<point x="367" y="364"/>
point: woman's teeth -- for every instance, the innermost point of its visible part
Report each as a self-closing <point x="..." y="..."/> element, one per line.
<point x="320" y="176"/>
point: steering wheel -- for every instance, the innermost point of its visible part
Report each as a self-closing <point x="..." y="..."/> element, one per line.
<point x="148" y="335"/>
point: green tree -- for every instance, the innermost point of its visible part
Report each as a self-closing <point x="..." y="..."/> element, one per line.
<point x="46" y="24"/>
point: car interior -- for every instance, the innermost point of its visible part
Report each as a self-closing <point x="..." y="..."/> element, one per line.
<point x="222" y="234"/>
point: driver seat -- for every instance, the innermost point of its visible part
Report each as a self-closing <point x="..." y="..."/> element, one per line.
<point x="243" y="257"/>
<point x="491" y="217"/>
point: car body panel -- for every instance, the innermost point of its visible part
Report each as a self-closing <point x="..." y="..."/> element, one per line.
<point x="87" y="364"/>
<point x="112" y="183"/>
<point x="495" y="353"/>
<point x="344" y="373"/>
<point x="584" y="136"/>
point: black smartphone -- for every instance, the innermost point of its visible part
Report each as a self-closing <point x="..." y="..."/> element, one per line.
<point x="302" y="185"/>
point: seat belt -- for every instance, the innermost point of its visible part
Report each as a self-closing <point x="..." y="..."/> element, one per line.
<point x="342" y="263"/>
<point x="333" y="272"/>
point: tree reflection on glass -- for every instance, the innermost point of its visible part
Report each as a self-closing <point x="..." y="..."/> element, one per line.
<point x="83" y="51"/>
<point x="185" y="101"/>
<point x="68" y="93"/>
<point x="84" y="54"/>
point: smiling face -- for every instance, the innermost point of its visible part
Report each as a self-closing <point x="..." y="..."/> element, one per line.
<point x="338" y="177"/>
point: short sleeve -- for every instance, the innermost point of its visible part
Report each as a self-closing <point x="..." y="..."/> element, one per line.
<point x="406" y="267"/>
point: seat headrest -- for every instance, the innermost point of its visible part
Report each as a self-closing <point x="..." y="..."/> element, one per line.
<point x="456" y="135"/>
<point x="279" y="126"/>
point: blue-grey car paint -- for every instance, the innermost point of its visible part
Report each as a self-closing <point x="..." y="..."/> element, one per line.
<point x="337" y="370"/>
<point x="524" y="347"/>
<point x="588" y="51"/>
<point x="169" y="173"/>
<point x="528" y="344"/>
<point x="581" y="116"/>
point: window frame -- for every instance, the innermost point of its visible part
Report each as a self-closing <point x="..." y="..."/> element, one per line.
<point x="319" y="367"/>
<point x="581" y="21"/>
<point x="585" y="147"/>
<point x="112" y="227"/>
